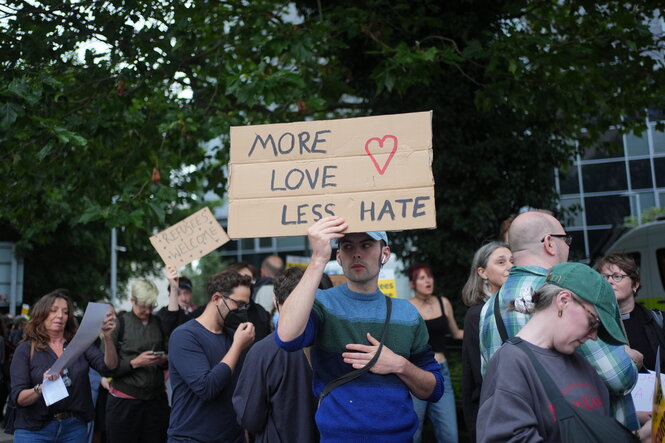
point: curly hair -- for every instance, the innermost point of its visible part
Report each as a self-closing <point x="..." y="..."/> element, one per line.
<point x="285" y="283"/>
<point x="226" y="281"/>
<point x="35" y="332"/>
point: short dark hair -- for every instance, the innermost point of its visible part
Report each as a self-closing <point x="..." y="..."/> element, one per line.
<point x="181" y="281"/>
<point x="623" y="261"/>
<point x="226" y="281"/>
<point x="285" y="283"/>
<point x="239" y="266"/>
<point x="326" y="282"/>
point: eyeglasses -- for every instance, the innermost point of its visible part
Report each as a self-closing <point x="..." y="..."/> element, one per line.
<point x="567" y="238"/>
<point x="594" y="321"/>
<point x="242" y="306"/>
<point x="616" y="277"/>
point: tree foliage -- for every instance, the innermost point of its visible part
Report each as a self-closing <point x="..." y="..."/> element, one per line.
<point x="97" y="96"/>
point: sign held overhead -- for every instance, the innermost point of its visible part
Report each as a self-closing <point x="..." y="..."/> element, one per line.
<point x="376" y="172"/>
<point x="189" y="239"/>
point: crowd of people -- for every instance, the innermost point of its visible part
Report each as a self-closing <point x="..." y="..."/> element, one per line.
<point x="280" y="355"/>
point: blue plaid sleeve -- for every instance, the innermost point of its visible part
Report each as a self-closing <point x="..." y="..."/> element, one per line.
<point x="619" y="373"/>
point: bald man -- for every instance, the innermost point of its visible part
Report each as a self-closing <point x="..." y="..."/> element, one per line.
<point x="538" y="242"/>
<point x="271" y="268"/>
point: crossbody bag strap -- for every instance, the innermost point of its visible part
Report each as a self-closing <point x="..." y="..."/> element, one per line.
<point x="562" y="408"/>
<point x="499" y="320"/>
<point x="358" y="372"/>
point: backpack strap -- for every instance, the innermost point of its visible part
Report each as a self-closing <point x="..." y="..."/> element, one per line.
<point x="562" y="408"/>
<point x="121" y="327"/>
<point x="358" y="372"/>
<point x="499" y="320"/>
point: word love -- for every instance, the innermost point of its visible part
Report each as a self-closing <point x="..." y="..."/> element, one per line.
<point x="295" y="178"/>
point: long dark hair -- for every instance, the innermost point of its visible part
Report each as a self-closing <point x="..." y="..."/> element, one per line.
<point x="35" y="332"/>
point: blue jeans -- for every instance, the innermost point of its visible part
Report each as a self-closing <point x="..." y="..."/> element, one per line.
<point x="442" y="414"/>
<point x="68" y="430"/>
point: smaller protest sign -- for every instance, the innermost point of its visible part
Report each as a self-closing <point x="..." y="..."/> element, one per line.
<point x="189" y="239"/>
<point x="296" y="261"/>
<point x="658" y="411"/>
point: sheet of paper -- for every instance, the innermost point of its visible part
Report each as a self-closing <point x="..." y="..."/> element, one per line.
<point x="643" y="391"/>
<point x="54" y="390"/>
<point x="90" y="327"/>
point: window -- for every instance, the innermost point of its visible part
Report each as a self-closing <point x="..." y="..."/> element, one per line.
<point x="569" y="180"/>
<point x="291" y="243"/>
<point x="659" y="170"/>
<point x="606" y="210"/>
<point x="640" y="174"/>
<point x="609" y="146"/>
<point x="599" y="240"/>
<point x="658" y="141"/>
<point x="573" y="208"/>
<point x="246" y="244"/>
<point x="265" y="242"/>
<point x="604" y="177"/>
<point x="637" y="145"/>
<point x="647" y="200"/>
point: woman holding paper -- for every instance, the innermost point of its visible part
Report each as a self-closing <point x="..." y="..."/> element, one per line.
<point x="48" y="332"/>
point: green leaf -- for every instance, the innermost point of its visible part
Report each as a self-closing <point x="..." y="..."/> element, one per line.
<point x="9" y="112"/>
<point x="158" y="211"/>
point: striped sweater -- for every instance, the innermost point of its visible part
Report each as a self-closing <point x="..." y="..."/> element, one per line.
<point x="372" y="407"/>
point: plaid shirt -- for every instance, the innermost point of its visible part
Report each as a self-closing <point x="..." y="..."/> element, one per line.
<point x="612" y="363"/>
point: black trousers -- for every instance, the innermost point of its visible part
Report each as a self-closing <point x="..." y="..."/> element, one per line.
<point x="136" y="421"/>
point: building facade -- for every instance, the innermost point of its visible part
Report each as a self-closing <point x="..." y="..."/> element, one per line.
<point x="624" y="175"/>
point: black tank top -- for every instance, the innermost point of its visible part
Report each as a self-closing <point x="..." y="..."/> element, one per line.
<point x="438" y="329"/>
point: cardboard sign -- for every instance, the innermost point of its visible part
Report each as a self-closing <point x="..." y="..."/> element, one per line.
<point x="190" y="239"/>
<point x="376" y="172"/>
<point x="658" y="411"/>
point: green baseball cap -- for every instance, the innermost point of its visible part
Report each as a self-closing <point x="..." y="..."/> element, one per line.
<point x="590" y="286"/>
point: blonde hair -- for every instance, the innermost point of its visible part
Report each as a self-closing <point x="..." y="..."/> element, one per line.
<point x="144" y="291"/>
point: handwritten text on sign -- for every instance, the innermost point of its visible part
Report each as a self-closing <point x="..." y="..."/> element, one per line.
<point x="373" y="171"/>
<point x="189" y="239"/>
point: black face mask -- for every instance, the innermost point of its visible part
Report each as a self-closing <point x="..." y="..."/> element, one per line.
<point x="233" y="318"/>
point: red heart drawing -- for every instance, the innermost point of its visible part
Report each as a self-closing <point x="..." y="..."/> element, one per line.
<point x="381" y="141"/>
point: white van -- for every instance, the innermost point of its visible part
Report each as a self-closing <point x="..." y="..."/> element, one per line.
<point x="646" y="244"/>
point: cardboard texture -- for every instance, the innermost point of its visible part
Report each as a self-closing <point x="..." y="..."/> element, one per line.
<point x="376" y="172"/>
<point x="189" y="239"/>
<point x="658" y="411"/>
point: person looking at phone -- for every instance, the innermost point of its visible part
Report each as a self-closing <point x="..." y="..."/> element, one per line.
<point x="137" y="409"/>
<point x="205" y="358"/>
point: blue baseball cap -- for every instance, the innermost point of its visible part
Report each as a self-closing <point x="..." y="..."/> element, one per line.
<point x="378" y="235"/>
<point x="374" y="235"/>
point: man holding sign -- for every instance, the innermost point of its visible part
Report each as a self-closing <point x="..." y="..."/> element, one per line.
<point x="347" y="327"/>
